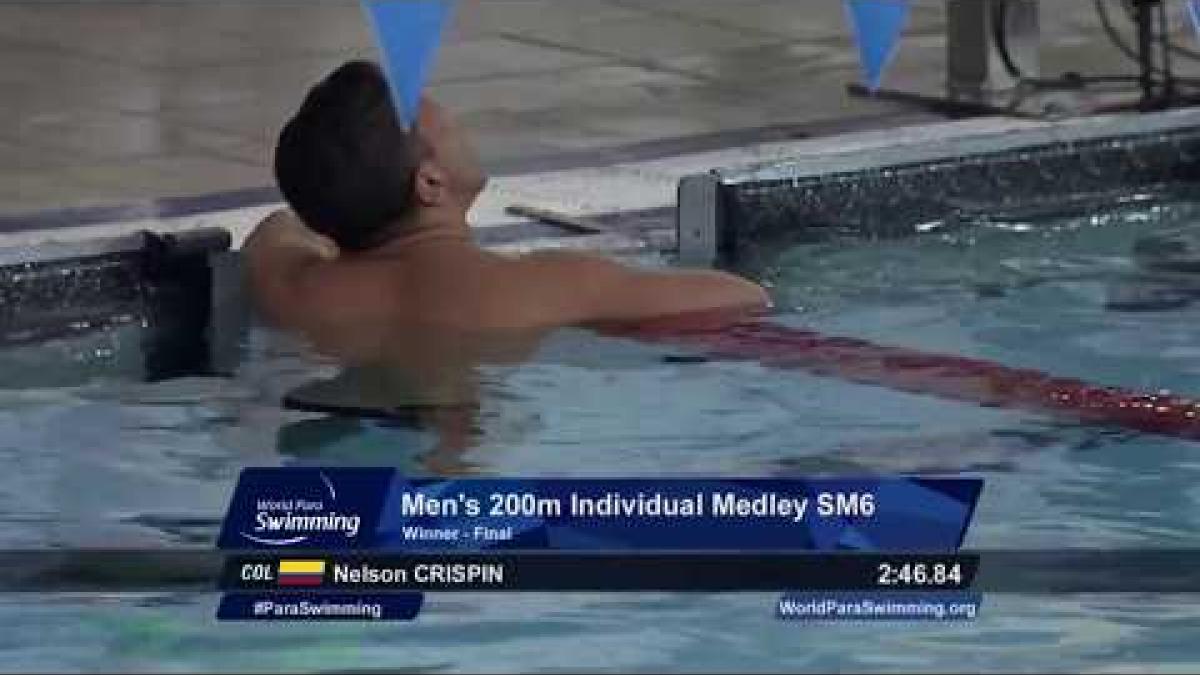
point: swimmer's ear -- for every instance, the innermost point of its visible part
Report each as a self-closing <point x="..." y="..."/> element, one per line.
<point x="430" y="184"/>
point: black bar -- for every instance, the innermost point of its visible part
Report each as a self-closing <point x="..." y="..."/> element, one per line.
<point x="618" y="572"/>
<point x="999" y="571"/>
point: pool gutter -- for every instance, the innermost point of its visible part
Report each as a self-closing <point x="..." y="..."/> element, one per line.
<point x="861" y="180"/>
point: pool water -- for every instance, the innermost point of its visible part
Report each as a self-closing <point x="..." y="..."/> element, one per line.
<point x="105" y="461"/>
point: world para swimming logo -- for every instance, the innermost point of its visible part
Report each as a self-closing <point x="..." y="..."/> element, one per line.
<point x="309" y="509"/>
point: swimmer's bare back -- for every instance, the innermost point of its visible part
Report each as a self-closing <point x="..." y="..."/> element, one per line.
<point x="439" y="280"/>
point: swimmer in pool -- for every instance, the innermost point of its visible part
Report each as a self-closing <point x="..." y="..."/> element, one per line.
<point x="374" y="263"/>
<point x="377" y="235"/>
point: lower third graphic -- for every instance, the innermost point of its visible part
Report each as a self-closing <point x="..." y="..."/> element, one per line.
<point x="319" y="607"/>
<point x="880" y="606"/>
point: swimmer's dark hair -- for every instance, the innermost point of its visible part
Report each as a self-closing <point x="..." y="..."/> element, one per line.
<point x="344" y="163"/>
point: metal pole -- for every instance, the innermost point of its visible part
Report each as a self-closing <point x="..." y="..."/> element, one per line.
<point x="1144" y="20"/>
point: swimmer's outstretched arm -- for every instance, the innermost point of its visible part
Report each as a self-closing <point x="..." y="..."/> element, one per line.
<point x="593" y="290"/>
<point x="277" y="255"/>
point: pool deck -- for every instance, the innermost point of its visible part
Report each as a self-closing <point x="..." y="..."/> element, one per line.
<point x="632" y="202"/>
<point x="162" y="114"/>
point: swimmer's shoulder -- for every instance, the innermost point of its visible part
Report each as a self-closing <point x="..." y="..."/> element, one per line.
<point x="568" y="266"/>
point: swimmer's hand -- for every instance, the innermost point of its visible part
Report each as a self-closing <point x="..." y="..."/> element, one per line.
<point x="278" y="256"/>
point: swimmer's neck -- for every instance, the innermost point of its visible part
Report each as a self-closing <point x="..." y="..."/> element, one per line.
<point x="449" y="228"/>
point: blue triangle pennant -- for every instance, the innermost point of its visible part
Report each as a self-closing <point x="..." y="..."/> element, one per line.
<point x="408" y="33"/>
<point x="877" y="27"/>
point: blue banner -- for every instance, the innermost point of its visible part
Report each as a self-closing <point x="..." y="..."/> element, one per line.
<point x="319" y="606"/>
<point x="359" y="509"/>
<point x="409" y="33"/>
<point x="877" y="27"/>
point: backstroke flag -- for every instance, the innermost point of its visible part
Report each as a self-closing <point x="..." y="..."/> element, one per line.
<point x="877" y="26"/>
<point x="408" y="33"/>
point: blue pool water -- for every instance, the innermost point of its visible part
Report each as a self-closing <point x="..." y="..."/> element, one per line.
<point x="109" y="462"/>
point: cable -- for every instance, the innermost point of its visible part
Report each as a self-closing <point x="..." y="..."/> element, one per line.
<point x="1028" y="86"/>
<point x="1113" y="35"/>
<point x="1000" y="39"/>
<point x="1166" y="40"/>
<point x="1068" y="80"/>
<point x="1129" y="52"/>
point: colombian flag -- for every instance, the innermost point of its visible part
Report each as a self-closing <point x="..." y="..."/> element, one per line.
<point x="301" y="572"/>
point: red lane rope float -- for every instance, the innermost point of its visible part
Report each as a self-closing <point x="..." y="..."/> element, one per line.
<point x="960" y="378"/>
